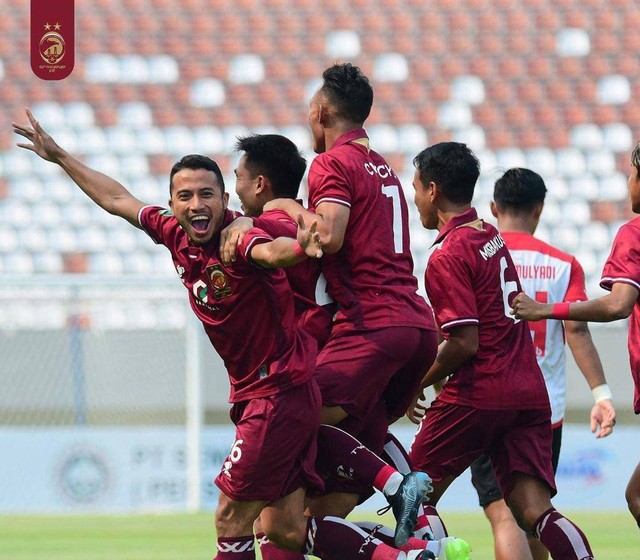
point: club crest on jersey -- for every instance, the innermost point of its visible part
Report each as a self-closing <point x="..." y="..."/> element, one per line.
<point x="219" y="282"/>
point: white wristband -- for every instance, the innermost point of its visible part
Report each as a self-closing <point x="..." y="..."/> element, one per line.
<point x="601" y="392"/>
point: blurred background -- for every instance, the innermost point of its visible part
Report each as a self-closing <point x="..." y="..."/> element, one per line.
<point x="100" y="361"/>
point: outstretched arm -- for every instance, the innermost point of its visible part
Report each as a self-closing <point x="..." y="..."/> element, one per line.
<point x="284" y="251"/>
<point x="331" y="220"/>
<point x="603" y="413"/>
<point x="612" y="307"/>
<point x="103" y="190"/>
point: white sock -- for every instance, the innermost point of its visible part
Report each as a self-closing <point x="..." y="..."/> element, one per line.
<point x="391" y="486"/>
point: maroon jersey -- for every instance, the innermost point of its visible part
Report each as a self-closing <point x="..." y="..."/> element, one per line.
<point x="314" y="307"/>
<point x="623" y="265"/>
<point x="247" y="311"/>
<point x="471" y="280"/>
<point x="371" y="277"/>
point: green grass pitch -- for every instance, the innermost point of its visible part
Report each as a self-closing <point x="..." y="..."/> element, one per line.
<point x="613" y="536"/>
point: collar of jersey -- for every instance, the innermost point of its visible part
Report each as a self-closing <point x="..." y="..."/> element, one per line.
<point x="468" y="218"/>
<point x="357" y="135"/>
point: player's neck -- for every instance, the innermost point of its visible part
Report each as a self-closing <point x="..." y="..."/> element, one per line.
<point x="519" y="224"/>
<point x="337" y="130"/>
<point x="449" y="212"/>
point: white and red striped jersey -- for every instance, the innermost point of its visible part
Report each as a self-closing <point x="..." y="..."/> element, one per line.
<point x="549" y="276"/>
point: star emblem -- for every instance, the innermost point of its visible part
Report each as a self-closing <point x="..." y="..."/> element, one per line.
<point x="47" y="27"/>
<point x="57" y="26"/>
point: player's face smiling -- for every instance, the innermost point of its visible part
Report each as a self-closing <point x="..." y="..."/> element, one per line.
<point x="422" y="198"/>
<point x="246" y="189"/>
<point x="197" y="203"/>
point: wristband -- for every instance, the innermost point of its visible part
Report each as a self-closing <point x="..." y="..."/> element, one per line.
<point x="601" y="393"/>
<point x="560" y="311"/>
<point x="298" y="251"/>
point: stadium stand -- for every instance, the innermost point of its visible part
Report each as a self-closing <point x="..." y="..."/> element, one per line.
<point x="549" y="85"/>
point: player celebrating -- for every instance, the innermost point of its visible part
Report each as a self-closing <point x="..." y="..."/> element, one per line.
<point x="383" y="336"/>
<point x="621" y="276"/>
<point x="495" y="400"/>
<point x="271" y="168"/>
<point x="552" y="276"/>
<point x="276" y="403"/>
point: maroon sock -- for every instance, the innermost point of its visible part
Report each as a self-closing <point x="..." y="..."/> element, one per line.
<point x="430" y="524"/>
<point x="270" y="551"/>
<point x="343" y="454"/>
<point x="396" y="455"/>
<point x="563" y="539"/>
<point x="236" y="548"/>
<point x="385" y="534"/>
<point x="333" y="538"/>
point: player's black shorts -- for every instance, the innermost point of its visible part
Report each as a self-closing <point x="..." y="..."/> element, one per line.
<point x="484" y="479"/>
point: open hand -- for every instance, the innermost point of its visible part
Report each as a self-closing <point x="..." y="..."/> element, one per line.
<point x="40" y="142"/>
<point x="309" y="239"/>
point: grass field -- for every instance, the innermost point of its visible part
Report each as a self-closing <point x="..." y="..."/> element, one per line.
<point x="191" y="537"/>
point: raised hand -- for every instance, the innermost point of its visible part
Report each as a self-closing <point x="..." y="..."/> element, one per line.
<point x="309" y="239"/>
<point x="39" y="141"/>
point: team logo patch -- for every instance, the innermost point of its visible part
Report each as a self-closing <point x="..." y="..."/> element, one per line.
<point x="219" y="282"/>
<point x="52" y="38"/>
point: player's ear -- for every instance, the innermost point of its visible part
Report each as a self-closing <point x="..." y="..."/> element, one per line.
<point x="494" y="209"/>
<point x="434" y="192"/>
<point x="262" y="183"/>
<point x="225" y="200"/>
<point x="537" y="211"/>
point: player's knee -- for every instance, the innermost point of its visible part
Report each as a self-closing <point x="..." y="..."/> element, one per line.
<point x="285" y="532"/>
<point x="230" y="522"/>
<point x="632" y="496"/>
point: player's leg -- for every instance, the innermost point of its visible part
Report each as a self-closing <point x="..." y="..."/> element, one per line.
<point x="522" y="460"/>
<point x="530" y="502"/>
<point x="632" y="494"/>
<point x="273" y="456"/>
<point x="447" y="548"/>
<point x="234" y="525"/>
<point x="353" y="371"/>
<point x="450" y="437"/>
<point x="510" y="541"/>
<point x="538" y="550"/>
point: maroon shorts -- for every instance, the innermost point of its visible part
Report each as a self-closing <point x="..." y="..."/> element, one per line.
<point x="451" y="437"/>
<point x="275" y="447"/>
<point x="357" y="369"/>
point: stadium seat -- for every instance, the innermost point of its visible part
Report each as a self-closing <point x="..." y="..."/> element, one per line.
<point x="208" y="92"/>
<point x="614" y="89"/>
<point x="573" y="41"/>
<point x="454" y="115"/>
<point x="342" y="44"/>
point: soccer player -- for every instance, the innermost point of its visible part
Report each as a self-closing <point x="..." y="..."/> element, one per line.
<point x="551" y="276"/>
<point x="270" y="168"/>
<point x="621" y="276"/>
<point x="247" y="311"/>
<point x="383" y="336"/>
<point x="495" y="400"/>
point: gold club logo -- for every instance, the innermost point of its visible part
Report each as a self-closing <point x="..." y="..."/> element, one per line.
<point x="52" y="45"/>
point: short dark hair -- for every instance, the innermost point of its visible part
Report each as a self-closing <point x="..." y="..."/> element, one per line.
<point x="519" y="190"/>
<point x="196" y="161"/>
<point x="452" y="166"/>
<point x="277" y="158"/>
<point x="349" y="91"/>
<point x="635" y="158"/>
